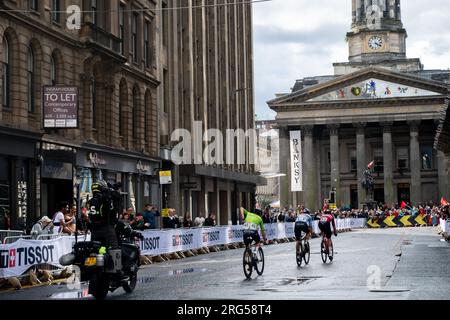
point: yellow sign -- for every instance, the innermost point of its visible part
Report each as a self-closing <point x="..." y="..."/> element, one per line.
<point x="373" y="224"/>
<point x="165" y="177"/>
<point x="405" y="221"/>
<point x="333" y="206"/>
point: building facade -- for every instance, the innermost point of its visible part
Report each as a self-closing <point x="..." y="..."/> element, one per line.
<point x="206" y="71"/>
<point x="111" y="59"/>
<point x="379" y="106"/>
<point x="268" y="154"/>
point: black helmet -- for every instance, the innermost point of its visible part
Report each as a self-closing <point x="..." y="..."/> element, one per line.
<point x="99" y="186"/>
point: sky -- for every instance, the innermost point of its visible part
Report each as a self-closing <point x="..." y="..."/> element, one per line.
<point x="294" y="39"/>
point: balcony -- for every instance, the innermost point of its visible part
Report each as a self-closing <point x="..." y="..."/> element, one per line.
<point x="102" y="41"/>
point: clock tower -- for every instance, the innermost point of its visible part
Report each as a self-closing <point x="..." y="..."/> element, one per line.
<point x="377" y="38"/>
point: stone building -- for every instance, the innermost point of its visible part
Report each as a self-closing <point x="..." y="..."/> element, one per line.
<point x="379" y="106"/>
<point x="206" y="73"/>
<point x="112" y="61"/>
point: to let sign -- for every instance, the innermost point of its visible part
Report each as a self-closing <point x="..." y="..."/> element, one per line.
<point x="60" y="107"/>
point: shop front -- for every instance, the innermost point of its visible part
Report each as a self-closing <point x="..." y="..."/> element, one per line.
<point x="18" y="167"/>
<point x="138" y="177"/>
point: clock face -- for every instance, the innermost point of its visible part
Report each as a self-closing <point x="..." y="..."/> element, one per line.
<point x="375" y="43"/>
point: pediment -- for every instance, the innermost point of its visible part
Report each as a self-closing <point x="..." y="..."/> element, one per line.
<point x="373" y="88"/>
<point x="369" y="84"/>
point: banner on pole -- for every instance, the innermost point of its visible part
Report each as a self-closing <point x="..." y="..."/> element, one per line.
<point x="296" y="161"/>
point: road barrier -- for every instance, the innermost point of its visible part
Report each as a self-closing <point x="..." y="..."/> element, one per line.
<point x="18" y="257"/>
<point x="394" y="222"/>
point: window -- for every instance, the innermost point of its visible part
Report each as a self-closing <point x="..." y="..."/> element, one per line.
<point x="147" y="108"/>
<point x="165" y="25"/>
<point x="56" y="11"/>
<point x="94" y="11"/>
<point x="379" y="160"/>
<point x="34" y="5"/>
<point x="134" y="37"/>
<point x="121" y="27"/>
<point x="120" y="117"/>
<point x="94" y="103"/>
<point x="402" y="158"/>
<point x="52" y="71"/>
<point x="147" y="48"/>
<point x="31" y="80"/>
<point x="353" y="161"/>
<point x="166" y="91"/>
<point x="135" y="113"/>
<point x="427" y="158"/>
<point x="6" y="76"/>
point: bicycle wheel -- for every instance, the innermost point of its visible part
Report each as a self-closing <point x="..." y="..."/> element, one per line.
<point x="307" y="253"/>
<point x="331" y="252"/>
<point x="299" y="256"/>
<point x="259" y="263"/>
<point x="323" y="252"/>
<point x="248" y="263"/>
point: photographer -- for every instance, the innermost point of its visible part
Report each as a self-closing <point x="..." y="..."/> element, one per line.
<point x="103" y="209"/>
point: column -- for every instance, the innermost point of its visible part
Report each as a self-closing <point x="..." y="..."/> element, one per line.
<point x="416" y="183"/>
<point x="443" y="176"/>
<point x="335" y="163"/>
<point x="361" y="161"/>
<point x="284" y="160"/>
<point x="388" y="163"/>
<point x="309" y="166"/>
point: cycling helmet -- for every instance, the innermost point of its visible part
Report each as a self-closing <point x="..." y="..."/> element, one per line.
<point x="306" y="211"/>
<point x="99" y="186"/>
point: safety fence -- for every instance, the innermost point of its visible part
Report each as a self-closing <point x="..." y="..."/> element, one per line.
<point x="400" y="221"/>
<point x="16" y="258"/>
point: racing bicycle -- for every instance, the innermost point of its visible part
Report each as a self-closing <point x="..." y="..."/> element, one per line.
<point x="253" y="258"/>
<point x="304" y="253"/>
<point x="326" y="254"/>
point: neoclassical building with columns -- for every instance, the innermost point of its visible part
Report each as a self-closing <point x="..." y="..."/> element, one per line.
<point x="379" y="106"/>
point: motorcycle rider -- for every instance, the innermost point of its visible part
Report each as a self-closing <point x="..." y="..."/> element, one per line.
<point x="103" y="210"/>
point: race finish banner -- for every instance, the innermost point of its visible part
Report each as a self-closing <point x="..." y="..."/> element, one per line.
<point x="60" y="105"/>
<point x="296" y="161"/>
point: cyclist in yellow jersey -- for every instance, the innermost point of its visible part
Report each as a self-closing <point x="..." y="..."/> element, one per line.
<point x="251" y="223"/>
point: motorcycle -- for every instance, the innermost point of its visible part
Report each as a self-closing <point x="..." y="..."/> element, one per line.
<point x="107" y="269"/>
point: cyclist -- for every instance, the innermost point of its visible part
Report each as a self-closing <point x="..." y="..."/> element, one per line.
<point x="252" y="221"/>
<point x="303" y="224"/>
<point x="325" y="227"/>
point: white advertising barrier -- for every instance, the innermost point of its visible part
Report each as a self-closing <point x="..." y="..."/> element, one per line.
<point x="169" y="241"/>
<point x="17" y="257"/>
<point x="445" y="226"/>
<point x="213" y="236"/>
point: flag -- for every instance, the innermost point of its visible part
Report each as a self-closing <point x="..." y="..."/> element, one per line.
<point x="403" y="206"/>
<point x="370" y="165"/>
<point x="444" y="202"/>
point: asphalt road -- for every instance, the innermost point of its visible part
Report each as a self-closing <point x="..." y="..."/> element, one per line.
<point x="404" y="263"/>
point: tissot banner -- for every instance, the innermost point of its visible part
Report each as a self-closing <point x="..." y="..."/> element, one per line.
<point x="296" y="161"/>
<point x="17" y="257"/>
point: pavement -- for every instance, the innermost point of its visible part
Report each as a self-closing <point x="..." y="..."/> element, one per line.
<point x="369" y="264"/>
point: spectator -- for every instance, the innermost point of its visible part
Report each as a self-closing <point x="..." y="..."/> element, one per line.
<point x="150" y="214"/>
<point x="138" y="223"/>
<point x="266" y="216"/>
<point x="210" y="221"/>
<point x="199" y="221"/>
<point x="188" y="223"/>
<point x="43" y="226"/>
<point x="171" y="221"/>
<point x="70" y="223"/>
<point x="58" y="217"/>
<point x="126" y="215"/>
